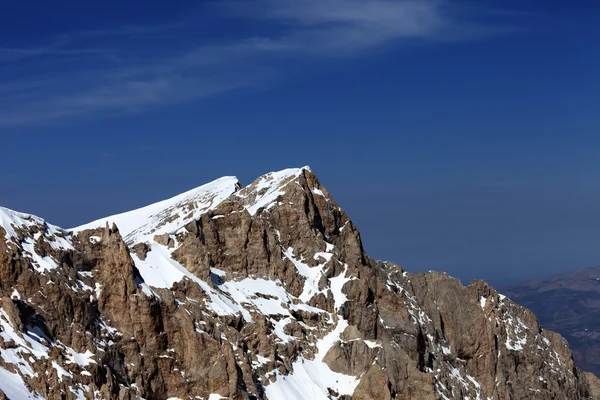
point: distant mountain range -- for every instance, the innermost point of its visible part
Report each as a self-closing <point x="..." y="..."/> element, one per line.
<point x="568" y="303"/>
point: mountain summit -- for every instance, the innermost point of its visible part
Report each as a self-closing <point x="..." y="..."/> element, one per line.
<point x="260" y="292"/>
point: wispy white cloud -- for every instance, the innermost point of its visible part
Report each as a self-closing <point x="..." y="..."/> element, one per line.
<point x="131" y="96"/>
<point x="302" y="30"/>
<point x="408" y="18"/>
<point x="68" y="44"/>
<point x="18" y="54"/>
<point x="347" y="27"/>
<point x="343" y="27"/>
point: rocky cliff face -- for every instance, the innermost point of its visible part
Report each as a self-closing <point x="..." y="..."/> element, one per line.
<point x="262" y="292"/>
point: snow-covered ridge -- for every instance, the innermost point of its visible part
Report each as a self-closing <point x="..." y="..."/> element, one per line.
<point x="169" y="215"/>
<point x="11" y="220"/>
<point x="33" y="228"/>
<point x="264" y="191"/>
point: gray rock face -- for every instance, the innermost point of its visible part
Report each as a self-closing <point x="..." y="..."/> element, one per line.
<point x="262" y="292"/>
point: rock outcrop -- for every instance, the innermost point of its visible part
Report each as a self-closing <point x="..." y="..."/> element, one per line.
<point x="262" y="292"/>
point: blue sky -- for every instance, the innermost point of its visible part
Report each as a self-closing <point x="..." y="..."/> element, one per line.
<point x="459" y="135"/>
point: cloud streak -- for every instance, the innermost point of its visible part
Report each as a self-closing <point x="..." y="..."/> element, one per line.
<point x="302" y="31"/>
<point x="408" y="18"/>
<point x="343" y="26"/>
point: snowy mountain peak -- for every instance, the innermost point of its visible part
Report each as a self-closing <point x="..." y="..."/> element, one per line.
<point x="265" y="190"/>
<point x="258" y="293"/>
<point x="169" y="215"/>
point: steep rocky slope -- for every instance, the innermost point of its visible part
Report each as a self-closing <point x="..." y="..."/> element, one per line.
<point x="568" y="303"/>
<point x="254" y="293"/>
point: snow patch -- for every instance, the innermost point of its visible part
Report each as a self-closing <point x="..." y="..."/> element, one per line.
<point x="25" y="346"/>
<point x="311" y="379"/>
<point x="60" y="371"/>
<point x="318" y="192"/>
<point x="516" y="334"/>
<point x="95" y="239"/>
<point x="160" y="270"/>
<point x="265" y="295"/>
<point x="14" y="388"/>
<point x="335" y="285"/>
<point x="81" y="359"/>
<point x="40" y="264"/>
<point x="312" y="275"/>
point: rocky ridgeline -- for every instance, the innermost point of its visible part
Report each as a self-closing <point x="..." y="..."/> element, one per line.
<point x="254" y="293"/>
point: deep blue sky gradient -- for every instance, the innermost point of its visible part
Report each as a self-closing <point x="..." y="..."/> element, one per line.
<point x="471" y="148"/>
